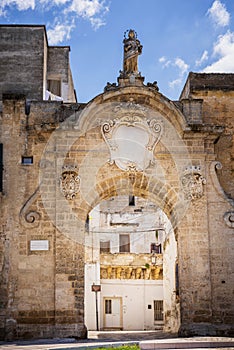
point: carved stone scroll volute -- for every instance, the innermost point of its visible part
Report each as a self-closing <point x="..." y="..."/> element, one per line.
<point x="229" y="219"/>
<point x="30" y="218"/>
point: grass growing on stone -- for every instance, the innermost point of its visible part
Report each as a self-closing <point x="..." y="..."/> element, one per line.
<point x="121" y="347"/>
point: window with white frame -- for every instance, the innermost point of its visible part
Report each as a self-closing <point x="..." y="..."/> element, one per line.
<point x="124" y="243"/>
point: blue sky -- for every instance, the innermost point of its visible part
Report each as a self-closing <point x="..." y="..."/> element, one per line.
<point x="178" y="36"/>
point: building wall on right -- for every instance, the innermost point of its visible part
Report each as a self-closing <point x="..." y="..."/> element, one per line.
<point x="209" y="100"/>
<point x="214" y="94"/>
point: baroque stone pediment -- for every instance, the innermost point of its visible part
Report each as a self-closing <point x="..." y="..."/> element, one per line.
<point x="131" y="136"/>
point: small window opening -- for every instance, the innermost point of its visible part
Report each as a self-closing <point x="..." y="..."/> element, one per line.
<point x="124" y="244"/>
<point x="108" y="306"/>
<point x="54" y="86"/>
<point x="131" y="201"/>
<point x="105" y="247"/>
<point x="158" y="310"/>
<point x="156" y="248"/>
<point x="27" y="160"/>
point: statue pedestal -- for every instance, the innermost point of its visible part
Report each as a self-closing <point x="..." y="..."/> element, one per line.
<point x="130" y="80"/>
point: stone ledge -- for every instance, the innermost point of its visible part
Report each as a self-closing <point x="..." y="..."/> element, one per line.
<point x="188" y="343"/>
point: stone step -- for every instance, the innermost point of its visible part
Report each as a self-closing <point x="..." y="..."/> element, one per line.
<point x="188" y="343"/>
<point x="129" y="335"/>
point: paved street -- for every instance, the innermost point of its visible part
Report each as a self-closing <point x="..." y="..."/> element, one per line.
<point x="146" y="340"/>
<point x="59" y="344"/>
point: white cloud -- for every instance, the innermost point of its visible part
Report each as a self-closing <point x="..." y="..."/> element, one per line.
<point x="86" y="8"/>
<point x="59" y="33"/>
<point x="203" y="58"/>
<point x="218" y="14"/>
<point x="53" y="2"/>
<point x="224" y="44"/>
<point x="174" y="83"/>
<point x="91" y="10"/>
<point x="162" y="59"/>
<point x="183" y="69"/>
<point x="224" y="48"/>
<point x="165" y="62"/>
<point x="181" y="65"/>
<point x="97" y="22"/>
<point x="20" y="4"/>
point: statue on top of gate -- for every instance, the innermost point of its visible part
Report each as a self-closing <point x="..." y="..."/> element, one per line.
<point x="130" y="74"/>
<point x="132" y="49"/>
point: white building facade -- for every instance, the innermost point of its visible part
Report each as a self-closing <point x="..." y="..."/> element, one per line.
<point x="131" y="254"/>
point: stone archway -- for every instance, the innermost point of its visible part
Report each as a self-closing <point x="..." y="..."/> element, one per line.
<point x="129" y="140"/>
<point x="88" y="171"/>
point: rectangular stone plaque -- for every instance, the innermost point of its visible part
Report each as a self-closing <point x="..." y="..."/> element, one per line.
<point x="39" y="244"/>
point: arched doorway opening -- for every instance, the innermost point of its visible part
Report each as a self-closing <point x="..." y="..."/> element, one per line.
<point x="131" y="253"/>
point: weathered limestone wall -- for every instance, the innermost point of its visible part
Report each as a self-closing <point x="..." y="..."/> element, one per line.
<point x="60" y="55"/>
<point x="22" y="60"/>
<point x="218" y="109"/>
<point x="59" y="69"/>
<point x="217" y="96"/>
<point x="27" y="62"/>
<point x="216" y="92"/>
<point x="221" y="230"/>
<point x="171" y="307"/>
<point x="43" y="291"/>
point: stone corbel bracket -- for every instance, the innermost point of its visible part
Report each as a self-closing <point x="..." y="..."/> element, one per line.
<point x="229" y="215"/>
<point x="193" y="182"/>
<point x="131" y="126"/>
<point x="214" y="166"/>
<point x="70" y="181"/>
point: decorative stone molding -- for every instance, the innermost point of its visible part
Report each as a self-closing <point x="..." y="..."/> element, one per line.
<point x="132" y="172"/>
<point x="229" y="218"/>
<point x="30" y="218"/>
<point x="70" y="182"/>
<point x="153" y="86"/>
<point x="192" y="182"/>
<point x="132" y="272"/>
<point x="131" y="137"/>
<point x="110" y="86"/>
<point x="130" y="110"/>
<point x="214" y="166"/>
